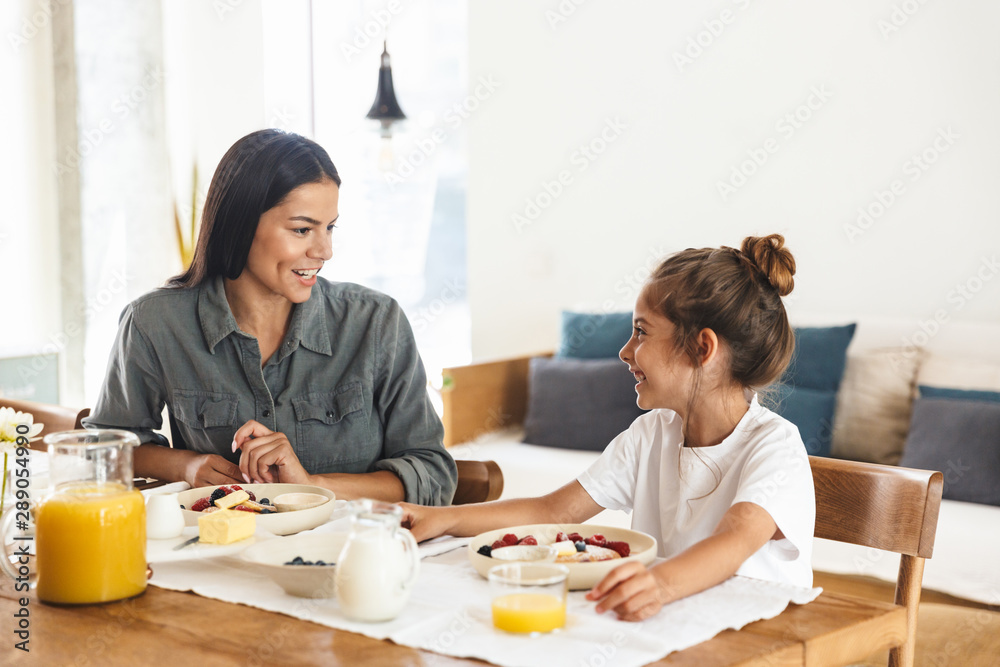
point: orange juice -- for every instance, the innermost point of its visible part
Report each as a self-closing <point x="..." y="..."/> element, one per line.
<point x="529" y="612"/>
<point x="91" y="544"/>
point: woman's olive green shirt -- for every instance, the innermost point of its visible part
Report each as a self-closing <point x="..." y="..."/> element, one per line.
<point x="347" y="386"/>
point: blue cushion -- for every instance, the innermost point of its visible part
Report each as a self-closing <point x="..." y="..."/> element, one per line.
<point x="809" y="409"/>
<point x="578" y="403"/>
<point x="820" y="357"/>
<point x="960" y="394"/>
<point x="961" y="439"/>
<point x="594" y="335"/>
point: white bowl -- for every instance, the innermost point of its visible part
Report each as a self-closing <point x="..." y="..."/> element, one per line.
<point x="280" y="523"/>
<point x="293" y="502"/>
<point x="581" y="575"/>
<point x="306" y="581"/>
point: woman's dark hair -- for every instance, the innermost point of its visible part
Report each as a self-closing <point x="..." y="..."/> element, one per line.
<point x="737" y="294"/>
<point x="254" y="176"/>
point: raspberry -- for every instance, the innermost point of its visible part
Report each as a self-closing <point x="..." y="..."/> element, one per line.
<point x="243" y="509"/>
<point x="236" y="487"/>
<point x="252" y="496"/>
<point x="201" y="504"/>
<point x="510" y="539"/>
<point x="622" y="548"/>
<point x="562" y="537"/>
<point x="499" y="544"/>
<point x="575" y="537"/>
<point x="596" y="540"/>
<point x="529" y="540"/>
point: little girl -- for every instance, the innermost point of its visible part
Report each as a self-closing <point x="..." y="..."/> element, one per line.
<point x="721" y="482"/>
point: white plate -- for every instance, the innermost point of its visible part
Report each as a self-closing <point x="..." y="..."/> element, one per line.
<point x="581" y="575"/>
<point x="283" y="523"/>
<point x="162" y="551"/>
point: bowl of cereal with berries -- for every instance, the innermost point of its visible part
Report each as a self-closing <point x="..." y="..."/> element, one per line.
<point x="590" y="552"/>
<point x="260" y="500"/>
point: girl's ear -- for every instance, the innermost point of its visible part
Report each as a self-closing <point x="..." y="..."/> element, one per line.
<point x="708" y="346"/>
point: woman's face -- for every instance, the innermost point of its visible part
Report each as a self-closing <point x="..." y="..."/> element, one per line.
<point x="292" y="242"/>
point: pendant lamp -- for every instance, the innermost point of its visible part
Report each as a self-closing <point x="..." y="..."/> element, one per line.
<point x="385" y="109"/>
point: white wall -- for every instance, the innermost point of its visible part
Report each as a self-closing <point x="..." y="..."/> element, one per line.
<point x="655" y="190"/>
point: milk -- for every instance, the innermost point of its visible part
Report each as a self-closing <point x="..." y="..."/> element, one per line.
<point x="376" y="571"/>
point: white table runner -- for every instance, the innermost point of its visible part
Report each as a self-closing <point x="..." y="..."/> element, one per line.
<point x="449" y="613"/>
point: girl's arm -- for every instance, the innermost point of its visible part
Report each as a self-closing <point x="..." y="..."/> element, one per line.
<point x="636" y="593"/>
<point x="570" y="504"/>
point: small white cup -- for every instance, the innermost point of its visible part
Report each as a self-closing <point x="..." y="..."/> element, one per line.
<point x="163" y="516"/>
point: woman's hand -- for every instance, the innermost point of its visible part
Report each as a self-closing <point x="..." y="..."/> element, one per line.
<point x="425" y="522"/>
<point x="267" y="456"/>
<point x="631" y="591"/>
<point x="210" y="470"/>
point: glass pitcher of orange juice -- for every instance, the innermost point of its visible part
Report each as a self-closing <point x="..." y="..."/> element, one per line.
<point x="90" y="529"/>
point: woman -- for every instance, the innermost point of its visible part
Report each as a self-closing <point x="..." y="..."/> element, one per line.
<point x="271" y="373"/>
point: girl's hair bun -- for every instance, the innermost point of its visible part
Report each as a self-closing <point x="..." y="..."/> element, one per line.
<point x="769" y="255"/>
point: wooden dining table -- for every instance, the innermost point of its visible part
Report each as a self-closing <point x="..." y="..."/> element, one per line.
<point x="176" y="628"/>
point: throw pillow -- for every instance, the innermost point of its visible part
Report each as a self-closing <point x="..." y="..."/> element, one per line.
<point x="807" y="393"/>
<point x="874" y="405"/>
<point x="809" y="409"/>
<point x="578" y="403"/>
<point x="960" y="394"/>
<point x="820" y="357"/>
<point x="945" y="371"/>
<point x="962" y="440"/>
<point x="594" y="335"/>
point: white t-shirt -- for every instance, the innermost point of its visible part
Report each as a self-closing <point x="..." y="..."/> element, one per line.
<point x="678" y="494"/>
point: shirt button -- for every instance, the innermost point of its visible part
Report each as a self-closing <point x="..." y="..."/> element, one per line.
<point x="329" y="414"/>
<point x="266" y="413"/>
<point x="201" y="418"/>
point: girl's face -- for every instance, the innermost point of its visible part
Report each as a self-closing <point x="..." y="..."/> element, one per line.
<point x="663" y="373"/>
<point x="292" y="242"/>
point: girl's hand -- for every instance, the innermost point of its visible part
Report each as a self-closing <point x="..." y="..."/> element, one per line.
<point x="631" y="591"/>
<point x="425" y="522"/>
<point x="210" y="470"/>
<point x="267" y="456"/>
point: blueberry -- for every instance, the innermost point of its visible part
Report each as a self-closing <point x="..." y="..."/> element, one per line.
<point x="580" y="546"/>
<point x="264" y="501"/>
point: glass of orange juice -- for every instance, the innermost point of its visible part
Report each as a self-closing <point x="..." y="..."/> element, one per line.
<point x="529" y="597"/>
<point x="90" y="530"/>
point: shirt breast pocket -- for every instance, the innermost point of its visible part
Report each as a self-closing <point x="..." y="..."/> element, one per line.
<point x="331" y="431"/>
<point x="204" y="410"/>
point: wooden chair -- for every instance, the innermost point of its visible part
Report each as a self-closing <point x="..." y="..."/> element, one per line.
<point x="478" y="482"/>
<point x="884" y="507"/>
<point x="55" y="417"/>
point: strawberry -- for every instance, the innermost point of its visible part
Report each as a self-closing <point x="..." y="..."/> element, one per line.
<point x="201" y="504"/>
<point x="237" y="487"/>
<point x="529" y="540"/>
<point x="622" y="548"/>
<point x="510" y="539"/>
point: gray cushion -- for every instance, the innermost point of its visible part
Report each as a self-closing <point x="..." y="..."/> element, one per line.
<point x="961" y="439"/>
<point x="578" y="403"/>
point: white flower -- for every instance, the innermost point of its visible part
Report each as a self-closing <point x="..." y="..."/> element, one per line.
<point x="10" y="419"/>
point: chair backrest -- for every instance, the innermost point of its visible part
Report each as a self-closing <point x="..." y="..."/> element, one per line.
<point x="55" y="417"/>
<point x="884" y="507"/>
<point x="478" y="482"/>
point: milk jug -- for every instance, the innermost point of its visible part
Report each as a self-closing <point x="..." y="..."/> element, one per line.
<point x="378" y="565"/>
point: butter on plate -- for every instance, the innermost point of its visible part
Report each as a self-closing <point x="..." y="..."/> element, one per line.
<point x="226" y="526"/>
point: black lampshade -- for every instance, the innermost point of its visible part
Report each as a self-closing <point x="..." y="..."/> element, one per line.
<point x="385" y="108"/>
